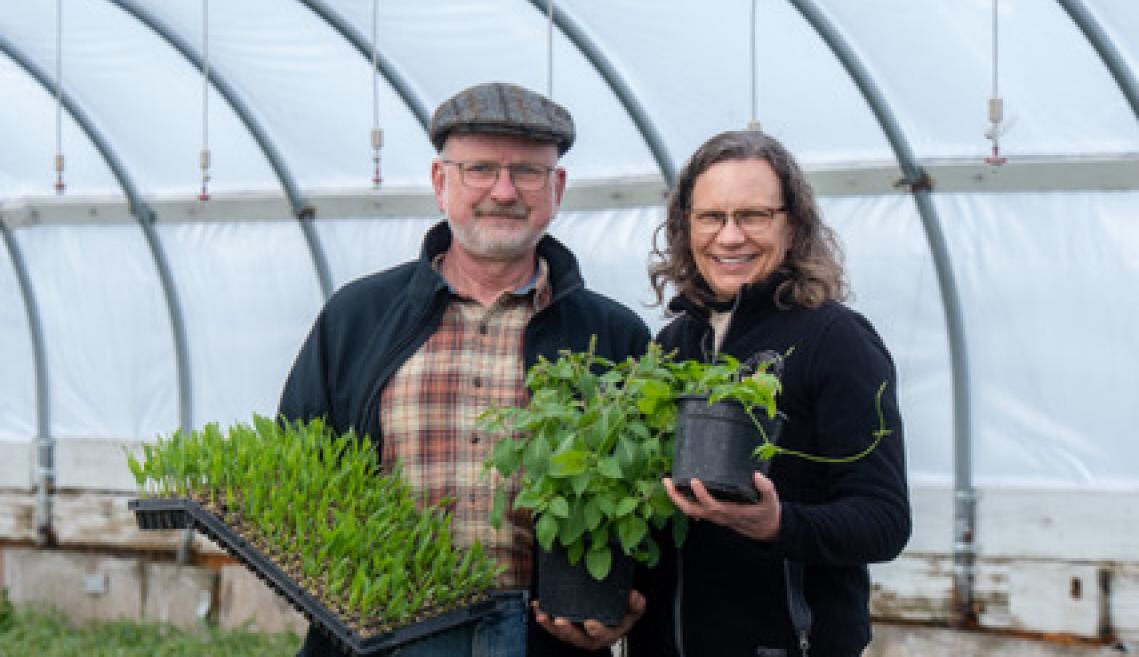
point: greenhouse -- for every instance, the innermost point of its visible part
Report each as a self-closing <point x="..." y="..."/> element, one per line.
<point x="183" y="184"/>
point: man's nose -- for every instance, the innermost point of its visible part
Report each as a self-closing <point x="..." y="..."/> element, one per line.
<point x="504" y="189"/>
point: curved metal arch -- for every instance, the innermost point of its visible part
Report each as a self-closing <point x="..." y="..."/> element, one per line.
<point x="920" y="186"/>
<point x="617" y="85"/>
<point x="145" y="218"/>
<point x="383" y="64"/>
<point x="45" y="442"/>
<point x="301" y="209"/>
<point x="1105" y="47"/>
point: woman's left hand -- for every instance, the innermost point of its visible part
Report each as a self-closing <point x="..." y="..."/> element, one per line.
<point x="759" y="521"/>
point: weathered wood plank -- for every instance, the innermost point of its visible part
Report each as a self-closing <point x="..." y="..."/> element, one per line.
<point x="1079" y="525"/>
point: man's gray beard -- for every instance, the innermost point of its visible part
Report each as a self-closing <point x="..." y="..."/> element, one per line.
<point x="476" y="242"/>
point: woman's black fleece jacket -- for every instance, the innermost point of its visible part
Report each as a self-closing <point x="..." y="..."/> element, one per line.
<point x="836" y="518"/>
<point x="371" y="326"/>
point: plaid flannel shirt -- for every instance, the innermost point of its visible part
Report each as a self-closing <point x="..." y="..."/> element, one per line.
<point x="428" y="413"/>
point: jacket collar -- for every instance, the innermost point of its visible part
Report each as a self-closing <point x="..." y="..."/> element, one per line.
<point x="565" y="276"/>
<point x="752" y="299"/>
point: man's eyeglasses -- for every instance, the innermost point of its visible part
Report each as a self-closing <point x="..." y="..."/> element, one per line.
<point x="753" y="221"/>
<point x="483" y="175"/>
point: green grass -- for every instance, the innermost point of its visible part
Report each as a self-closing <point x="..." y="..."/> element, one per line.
<point x="39" y="633"/>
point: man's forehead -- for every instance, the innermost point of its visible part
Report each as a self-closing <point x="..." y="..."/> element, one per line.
<point x="493" y="146"/>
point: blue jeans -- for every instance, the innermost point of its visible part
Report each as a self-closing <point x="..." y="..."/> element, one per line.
<point x="501" y="634"/>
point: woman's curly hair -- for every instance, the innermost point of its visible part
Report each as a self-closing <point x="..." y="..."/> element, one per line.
<point x="813" y="264"/>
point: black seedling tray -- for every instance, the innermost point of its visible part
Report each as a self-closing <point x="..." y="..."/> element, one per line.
<point x="168" y="513"/>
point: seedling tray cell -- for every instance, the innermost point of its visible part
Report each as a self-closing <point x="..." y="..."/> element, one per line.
<point x="169" y="513"/>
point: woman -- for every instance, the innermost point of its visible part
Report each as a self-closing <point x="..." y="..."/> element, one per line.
<point x="757" y="276"/>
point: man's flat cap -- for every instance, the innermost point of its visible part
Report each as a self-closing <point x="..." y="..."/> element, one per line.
<point x="501" y="108"/>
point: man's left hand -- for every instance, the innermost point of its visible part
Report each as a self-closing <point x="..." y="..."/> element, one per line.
<point x="592" y="634"/>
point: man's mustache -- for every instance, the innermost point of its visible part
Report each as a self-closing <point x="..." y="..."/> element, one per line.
<point x="512" y="210"/>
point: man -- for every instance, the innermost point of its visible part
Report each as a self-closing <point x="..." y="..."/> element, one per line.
<point x="410" y="356"/>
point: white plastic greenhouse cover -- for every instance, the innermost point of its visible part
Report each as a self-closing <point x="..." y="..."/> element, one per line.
<point x="1044" y="251"/>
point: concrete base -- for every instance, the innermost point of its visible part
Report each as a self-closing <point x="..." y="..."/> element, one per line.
<point x="246" y="601"/>
<point x="88" y="586"/>
<point x="82" y="586"/>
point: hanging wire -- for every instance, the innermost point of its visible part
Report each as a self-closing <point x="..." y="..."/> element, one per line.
<point x="377" y="132"/>
<point x="996" y="103"/>
<point x="550" y="49"/>
<point x="59" y="184"/>
<point x="753" y="124"/>
<point x="204" y="157"/>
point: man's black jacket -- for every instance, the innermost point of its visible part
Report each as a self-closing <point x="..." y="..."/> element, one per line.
<point x="371" y="326"/>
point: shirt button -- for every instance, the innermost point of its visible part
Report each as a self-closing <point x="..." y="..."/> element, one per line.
<point x="483" y="330"/>
<point x="474" y="439"/>
<point x="478" y="381"/>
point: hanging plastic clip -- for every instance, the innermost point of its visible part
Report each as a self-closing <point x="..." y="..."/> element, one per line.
<point x="204" y="161"/>
<point x="377" y="144"/>
<point x="996" y="116"/>
<point x="59" y="185"/>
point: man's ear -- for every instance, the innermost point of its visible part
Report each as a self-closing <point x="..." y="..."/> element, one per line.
<point x="559" y="185"/>
<point x="439" y="183"/>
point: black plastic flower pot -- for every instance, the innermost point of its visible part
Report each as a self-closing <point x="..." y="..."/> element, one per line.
<point x="715" y="444"/>
<point x="568" y="591"/>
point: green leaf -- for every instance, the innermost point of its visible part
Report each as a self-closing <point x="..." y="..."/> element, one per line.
<point x="630" y="530"/>
<point x="498" y="508"/>
<point x="574" y="551"/>
<point x="598" y="562"/>
<point x="568" y="464"/>
<point x="650" y="555"/>
<point x="599" y="537"/>
<point x="766" y="451"/>
<point x="546" y="530"/>
<point x="527" y="498"/>
<point x="625" y="507"/>
<point x="654" y="394"/>
<point x="609" y="467"/>
<point x="607" y="503"/>
<point x="136" y="470"/>
<point x="571" y="528"/>
<point x="559" y="507"/>
<point x="628" y="455"/>
<point x="596" y="426"/>
<point x="588" y="386"/>
<point x="679" y="529"/>
<point x="505" y="457"/>
<point x="537" y="456"/>
<point x="581" y="482"/>
<point x="592" y="513"/>
<point x="661" y="503"/>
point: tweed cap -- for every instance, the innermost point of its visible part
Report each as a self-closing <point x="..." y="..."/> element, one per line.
<point x="502" y="108"/>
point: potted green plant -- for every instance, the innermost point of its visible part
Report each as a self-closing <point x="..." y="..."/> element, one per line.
<point x="590" y="449"/>
<point x="313" y="514"/>
<point x="728" y="426"/>
<point x="723" y="417"/>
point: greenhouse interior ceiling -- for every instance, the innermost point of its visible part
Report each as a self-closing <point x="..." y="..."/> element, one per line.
<point x="184" y="182"/>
